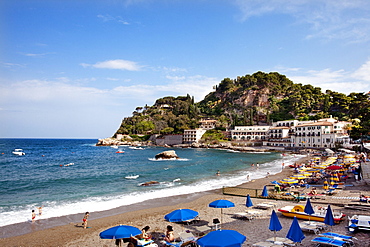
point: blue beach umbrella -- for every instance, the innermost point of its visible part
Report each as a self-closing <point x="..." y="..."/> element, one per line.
<point x="221" y="204"/>
<point x="121" y="231"/>
<point x="264" y="192"/>
<point x="329" y="218"/>
<point x="295" y="232"/>
<point x="274" y="223"/>
<point x="222" y="238"/>
<point x="248" y="202"/>
<point x="308" y="208"/>
<point x="180" y="215"/>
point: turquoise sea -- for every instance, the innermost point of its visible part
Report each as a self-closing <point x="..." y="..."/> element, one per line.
<point x="96" y="179"/>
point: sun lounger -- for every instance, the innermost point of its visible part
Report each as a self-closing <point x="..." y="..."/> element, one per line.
<point x="174" y="244"/>
<point x="141" y="243"/>
<point x="200" y="230"/>
<point x="281" y="241"/>
<point x="338" y="236"/>
<point x="187" y="236"/>
<point x="266" y="244"/>
<point x="309" y="228"/>
<point x="329" y="241"/>
<point x="192" y="221"/>
<point x="265" y="206"/>
<point x="320" y="225"/>
<point x="243" y="215"/>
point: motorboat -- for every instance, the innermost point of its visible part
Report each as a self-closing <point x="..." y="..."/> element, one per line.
<point x="137" y="148"/>
<point x="120" y="152"/>
<point x="319" y="215"/>
<point x="19" y="152"/>
<point x="358" y="222"/>
<point x="132" y="177"/>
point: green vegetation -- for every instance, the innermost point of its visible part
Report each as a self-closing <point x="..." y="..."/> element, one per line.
<point x="261" y="98"/>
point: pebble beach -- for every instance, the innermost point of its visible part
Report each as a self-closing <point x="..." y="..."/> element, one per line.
<point x="152" y="214"/>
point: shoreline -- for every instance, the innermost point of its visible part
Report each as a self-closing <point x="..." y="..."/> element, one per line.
<point x="29" y="234"/>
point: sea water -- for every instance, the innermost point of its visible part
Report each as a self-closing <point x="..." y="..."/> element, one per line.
<point x="70" y="176"/>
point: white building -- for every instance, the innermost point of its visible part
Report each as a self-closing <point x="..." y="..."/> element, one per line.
<point x="324" y="133"/>
<point x="193" y="135"/>
<point x="208" y="124"/>
<point x="250" y="133"/>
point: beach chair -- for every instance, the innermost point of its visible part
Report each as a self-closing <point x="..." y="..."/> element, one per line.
<point x="329" y="242"/>
<point x="216" y="224"/>
<point x="309" y="228"/>
<point x="281" y="241"/>
<point x="348" y="239"/>
<point x="174" y="244"/>
<point x="201" y="230"/>
<point x="330" y="192"/>
<point x="243" y="215"/>
<point x="187" y="236"/>
<point x="266" y="244"/>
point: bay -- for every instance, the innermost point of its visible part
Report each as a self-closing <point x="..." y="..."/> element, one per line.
<point x="70" y="176"/>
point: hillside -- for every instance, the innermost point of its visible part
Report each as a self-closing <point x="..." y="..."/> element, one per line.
<point x="260" y="98"/>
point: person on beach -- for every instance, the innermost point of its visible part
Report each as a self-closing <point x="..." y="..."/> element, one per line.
<point x="33" y="217"/>
<point x="84" y="220"/>
<point x="40" y="210"/>
<point x="144" y="233"/>
<point x="169" y="235"/>
<point x="257" y="165"/>
<point x="218" y="173"/>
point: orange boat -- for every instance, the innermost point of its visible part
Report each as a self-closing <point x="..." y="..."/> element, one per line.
<point x="319" y="215"/>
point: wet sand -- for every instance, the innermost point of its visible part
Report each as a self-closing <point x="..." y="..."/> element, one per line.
<point x="152" y="213"/>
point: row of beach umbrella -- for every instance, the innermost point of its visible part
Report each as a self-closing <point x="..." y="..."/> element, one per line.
<point x="222" y="238"/>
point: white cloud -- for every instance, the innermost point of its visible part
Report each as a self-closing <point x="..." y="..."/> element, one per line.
<point x="329" y="19"/>
<point x="115" y="64"/>
<point x="363" y="73"/>
<point x="336" y="80"/>
<point x="107" y="18"/>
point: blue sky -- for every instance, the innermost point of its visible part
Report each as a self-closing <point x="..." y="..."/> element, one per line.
<point x="74" y="69"/>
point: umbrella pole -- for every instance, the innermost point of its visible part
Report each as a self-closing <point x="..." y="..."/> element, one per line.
<point x="221" y="219"/>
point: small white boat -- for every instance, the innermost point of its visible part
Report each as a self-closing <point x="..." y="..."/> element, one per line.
<point x="358" y="222"/>
<point x="19" y="152"/>
<point x="137" y="148"/>
<point x="132" y="176"/>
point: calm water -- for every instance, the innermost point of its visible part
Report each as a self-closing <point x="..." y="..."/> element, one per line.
<point x="97" y="179"/>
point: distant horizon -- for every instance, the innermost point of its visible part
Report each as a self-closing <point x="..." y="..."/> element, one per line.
<point x="69" y="68"/>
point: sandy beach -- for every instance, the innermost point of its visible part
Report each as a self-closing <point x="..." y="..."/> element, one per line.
<point x="152" y="213"/>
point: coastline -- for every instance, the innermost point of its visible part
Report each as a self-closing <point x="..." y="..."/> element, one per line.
<point x="152" y="213"/>
<point x="46" y="229"/>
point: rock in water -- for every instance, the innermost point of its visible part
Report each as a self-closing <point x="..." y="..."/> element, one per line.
<point x="171" y="154"/>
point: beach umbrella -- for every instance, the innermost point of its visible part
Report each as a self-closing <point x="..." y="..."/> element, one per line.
<point x="248" y="202"/>
<point x="274" y="223"/>
<point x="180" y="215"/>
<point x="313" y="170"/>
<point x="264" y="192"/>
<point x="295" y="232"/>
<point x="333" y="167"/>
<point x="121" y="231"/>
<point x="222" y="238"/>
<point x="221" y="204"/>
<point x="325" y="186"/>
<point x="297" y="176"/>
<point x="289" y="181"/>
<point x="308" y="209"/>
<point x="329" y="218"/>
